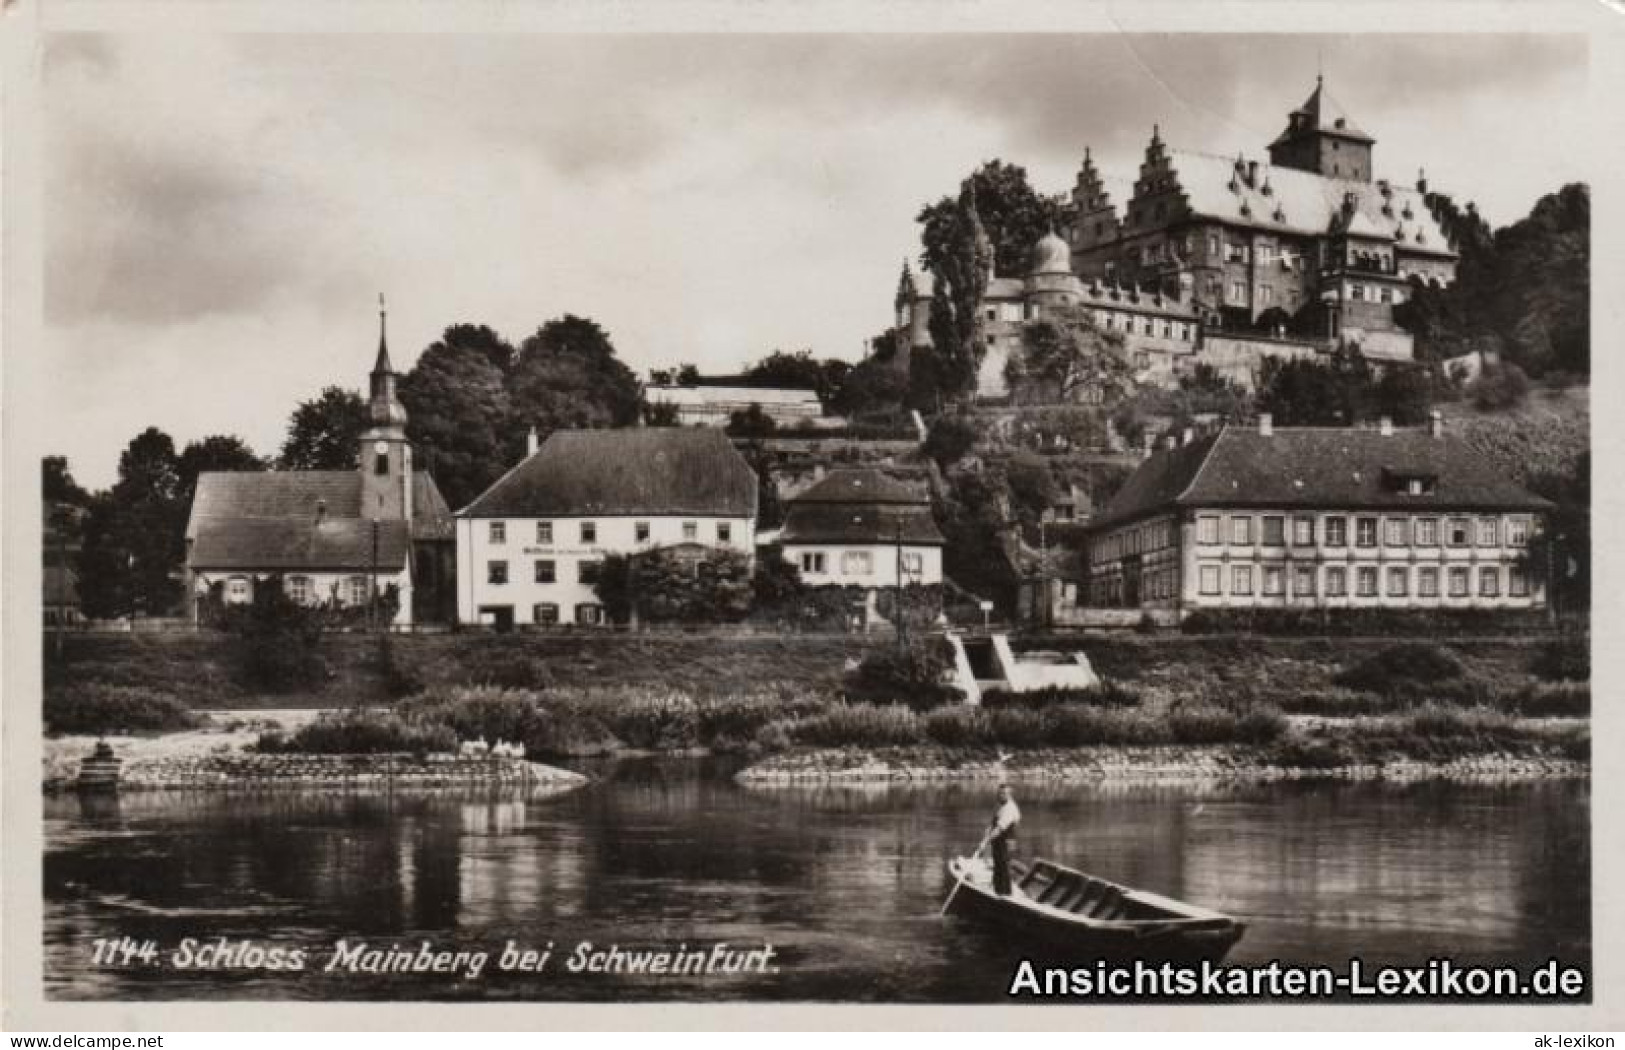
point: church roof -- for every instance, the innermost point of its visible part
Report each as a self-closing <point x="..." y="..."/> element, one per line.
<point x="267" y="520"/>
<point x="1310" y="467"/>
<point x="654" y="470"/>
<point x="1302" y="202"/>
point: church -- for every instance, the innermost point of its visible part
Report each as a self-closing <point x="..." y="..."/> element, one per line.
<point x="345" y="539"/>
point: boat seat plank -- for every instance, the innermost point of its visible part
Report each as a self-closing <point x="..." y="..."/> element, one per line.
<point x="1057" y="889"/>
<point x="1091" y="897"/>
<point x="1109" y="906"/>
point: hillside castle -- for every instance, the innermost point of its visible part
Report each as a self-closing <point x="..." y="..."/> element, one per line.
<point x="1224" y="260"/>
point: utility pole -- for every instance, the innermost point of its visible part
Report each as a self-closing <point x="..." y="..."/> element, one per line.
<point x="372" y="585"/>
<point x="902" y="620"/>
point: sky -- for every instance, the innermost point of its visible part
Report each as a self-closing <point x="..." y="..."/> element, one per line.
<point x="222" y="211"/>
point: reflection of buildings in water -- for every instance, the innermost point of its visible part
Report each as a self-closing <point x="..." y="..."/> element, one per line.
<point x="510" y="870"/>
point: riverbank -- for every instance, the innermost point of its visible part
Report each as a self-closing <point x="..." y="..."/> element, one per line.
<point x="221" y="755"/>
<point x="926" y="765"/>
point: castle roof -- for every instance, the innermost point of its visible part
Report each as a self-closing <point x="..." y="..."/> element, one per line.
<point x="1320" y="113"/>
<point x="1303" y="202"/>
<point x="1340" y="468"/>
<point x="658" y="470"/>
<point x="1051" y="255"/>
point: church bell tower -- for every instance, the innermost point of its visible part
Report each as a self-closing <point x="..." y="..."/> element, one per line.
<point x="385" y="459"/>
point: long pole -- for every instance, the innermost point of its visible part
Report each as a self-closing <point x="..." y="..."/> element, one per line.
<point x="372" y="585"/>
<point x="902" y="620"/>
<point x="959" y="880"/>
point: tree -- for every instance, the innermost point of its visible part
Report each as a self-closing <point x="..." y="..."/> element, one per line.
<point x="801" y="371"/>
<point x="1501" y="384"/>
<point x="751" y="421"/>
<point x="688" y="375"/>
<point x="1031" y="486"/>
<point x="962" y="270"/>
<point x="661" y="414"/>
<point x="1406" y="395"/>
<point x="133" y="546"/>
<point x="567" y="375"/>
<point x="667" y="585"/>
<point x="222" y="452"/>
<point x="1308" y="392"/>
<point x="458" y="412"/>
<point x="777" y="582"/>
<point x="58" y="485"/>
<point x="325" y="433"/>
<point x="769" y="511"/>
<point x="949" y="438"/>
<point x="1068" y="353"/>
<point x="1014" y="215"/>
<point x="875" y="384"/>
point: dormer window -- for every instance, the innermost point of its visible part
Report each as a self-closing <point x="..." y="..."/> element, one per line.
<point x="1410" y="482"/>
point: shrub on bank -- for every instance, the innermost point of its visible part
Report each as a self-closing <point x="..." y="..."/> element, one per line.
<point x="1549" y="700"/>
<point x="1403" y="668"/>
<point x="99" y="708"/>
<point x="1107" y="694"/>
<point x="914" y="674"/>
<point x="1564" y="659"/>
<point x="361" y="731"/>
<point x="861" y="725"/>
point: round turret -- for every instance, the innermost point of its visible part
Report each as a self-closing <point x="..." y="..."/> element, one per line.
<point x="1052" y="255"/>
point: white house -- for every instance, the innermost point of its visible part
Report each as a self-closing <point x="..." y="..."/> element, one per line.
<point x="529" y="549"/>
<point x="860" y="527"/>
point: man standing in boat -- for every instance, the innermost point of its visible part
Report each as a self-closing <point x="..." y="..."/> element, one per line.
<point x="1002" y="833"/>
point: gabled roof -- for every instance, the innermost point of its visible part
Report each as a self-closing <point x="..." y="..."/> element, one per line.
<point x="865" y="485"/>
<point x="654" y="470"/>
<point x="1321" y="113"/>
<point x="268" y="521"/>
<point x="1303" y="202"/>
<point x="1324" y="468"/>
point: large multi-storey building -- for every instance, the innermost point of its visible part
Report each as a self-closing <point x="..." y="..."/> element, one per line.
<point x="529" y="549"/>
<point x="1317" y="518"/>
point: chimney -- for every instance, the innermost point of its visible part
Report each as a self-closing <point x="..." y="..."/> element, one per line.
<point x="321" y="512"/>
<point x="1266" y="424"/>
<point x="1421" y="181"/>
<point x="1386" y="426"/>
<point x="1436" y="423"/>
<point x="1252" y="173"/>
<point x="532" y="442"/>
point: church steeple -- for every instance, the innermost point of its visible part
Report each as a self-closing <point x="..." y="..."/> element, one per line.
<point x="384" y="407"/>
<point x="385" y="458"/>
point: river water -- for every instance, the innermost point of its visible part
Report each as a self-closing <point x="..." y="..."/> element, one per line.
<point x="844" y="884"/>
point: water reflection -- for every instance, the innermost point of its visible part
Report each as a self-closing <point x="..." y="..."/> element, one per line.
<point x="844" y="883"/>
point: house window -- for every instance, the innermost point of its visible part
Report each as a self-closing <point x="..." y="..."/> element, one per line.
<point x="1303" y="531"/>
<point x="1212" y="244"/>
<point x="1274" y="580"/>
<point x="1337" y="532"/>
<point x="640" y="531"/>
<point x="1458" y="583"/>
<point x="1238" y="291"/>
<point x="1517" y="582"/>
<point x="380" y="463"/>
<point x="725" y="532"/>
<point x="1398" y="581"/>
<point x="1209" y="579"/>
<point x="857" y="563"/>
<point x="1365" y="532"/>
<point x="1266" y="295"/>
<point x="498" y="532"/>
<point x="589" y="571"/>
<point x="1241" y="579"/>
<point x="546" y="570"/>
<point x="1337" y="581"/>
<point x="544" y="532"/>
<point x="1427" y="532"/>
<point x="1207" y="528"/>
<point x="913" y="564"/>
<point x="1142" y="360"/>
<point x="589" y="532"/>
<point x="298" y="588"/>
<point x="1488" y="530"/>
<point x="1459" y="535"/>
<point x="812" y="562"/>
<point x="1394" y="532"/>
<point x="1427" y="582"/>
<point x="1303" y="581"/>
<point x="1387" y="295"/>
<point x="1518" y="532"/>
<point x="691" y="531"/>
<point x="545" y="613"/>
<point x="589" y="614"/>
<point x="1365" y="581"/>
<point x="1357" y="293"/>
<point x="1241" y="529"/>
<point x="1489" y="582"/>
<point x="238" y="589"/>
<point x="496" y="572"/>
<point x="1274" y="530"/>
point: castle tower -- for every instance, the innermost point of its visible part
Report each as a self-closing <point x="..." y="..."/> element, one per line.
<point x="1094" y="216"/>
<point x="385" y="459"/>
<point x="1320" y="138"/>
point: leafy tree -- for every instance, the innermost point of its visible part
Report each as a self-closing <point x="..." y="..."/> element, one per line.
<point x="777" y="582"/>
<point x="769" y="511"/>
<point x="1501" y="384"/>
<point x="1310" y="392"/>
<point x="962" y="272"/>
<point x="874" y="384"/>
<point x="1066" y="352"/>
<point x="1031" y="486"/>
<point x="688" y="375"/>
<point x="458" y="410"/>
<point x="1562" y="554"/>
<point x="324" y="433"/>
<point x="1014" y="214"/>
<point x="667" y="585"/>
<point x="223" y="452"/>
<point x="1406" y="395"/>
<point x="661" y="414"/>
<point x="133" y="547"/>
<point x="567" y="375"/>
<point x="949" y="438"/>
<point x="800" y="371"/>
<point x="751" y="421"/>
<point x="58" y="485"/>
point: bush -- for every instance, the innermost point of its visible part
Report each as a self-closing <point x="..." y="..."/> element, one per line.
<point x="913" y="675"/>
<point x="362" y="731"/>
<point x="1550" y="700"/>
<point x="1403" y="668"/>
<point x="862" y="725"/>
<point x="1201" y="724"/>
<point x="1499" y="385"/>
<point x="663" y="723"/>
<point x="1081" y="726"/>
<point x="99" y="708"/>
<point x="1107" y="694"/>
<point x="1564" y="659"/>
<point x="1261" y="725"/>
<point x="959" y="726"/>
<point x="549" y="727"/>
<point x="1298" y="752"/>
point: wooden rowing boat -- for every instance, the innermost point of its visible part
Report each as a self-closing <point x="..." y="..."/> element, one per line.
<point x="1080" y="913"/>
